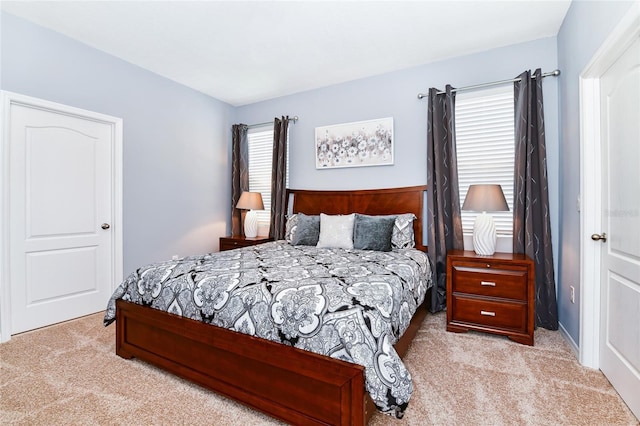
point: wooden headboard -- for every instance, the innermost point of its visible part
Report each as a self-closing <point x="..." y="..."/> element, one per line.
<point x="365" y="201"/>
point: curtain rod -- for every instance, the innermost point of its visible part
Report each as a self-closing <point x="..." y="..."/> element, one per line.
<point x="294" y="118"/>
<point x="554" y="73"/>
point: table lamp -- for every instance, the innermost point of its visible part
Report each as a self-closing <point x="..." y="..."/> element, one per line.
<point x="485" y="198"/>
<point x="250" y="201"/>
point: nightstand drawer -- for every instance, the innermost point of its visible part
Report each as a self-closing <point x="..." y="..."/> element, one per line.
<point x="505" y="283"/>
<point x="230" y="243"/>
<point x="491" y="313"/>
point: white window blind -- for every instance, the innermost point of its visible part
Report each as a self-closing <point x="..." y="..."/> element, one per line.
<point x="260" y="140"/>
<point x="484" y="121"/>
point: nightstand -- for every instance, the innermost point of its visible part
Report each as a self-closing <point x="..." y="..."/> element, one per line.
<point x="237" y="241"/>
<point x="493" y="294"/>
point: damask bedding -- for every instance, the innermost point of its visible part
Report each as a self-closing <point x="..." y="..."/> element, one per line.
<point x="347" y="304"/>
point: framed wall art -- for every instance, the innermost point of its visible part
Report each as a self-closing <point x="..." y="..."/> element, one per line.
<point x="361" y="143"/>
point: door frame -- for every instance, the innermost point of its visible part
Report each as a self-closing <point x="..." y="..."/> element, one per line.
<point x="7" y="99"/>
<point x="591" y="181"/>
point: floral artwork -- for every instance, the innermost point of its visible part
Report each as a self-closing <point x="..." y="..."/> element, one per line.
<point x="362" y="143"/>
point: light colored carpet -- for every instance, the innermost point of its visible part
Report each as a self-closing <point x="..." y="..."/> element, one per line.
<point x="68" y="374"/>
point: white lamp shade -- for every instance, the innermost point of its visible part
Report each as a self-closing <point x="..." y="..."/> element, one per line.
<point x="251" y="224"/>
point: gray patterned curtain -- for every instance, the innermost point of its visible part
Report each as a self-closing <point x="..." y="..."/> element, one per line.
<point x="279" y="178"/>
<point x="239" y="173"/>
<point x="531" y="222"/>
<point x="443" y="197"/>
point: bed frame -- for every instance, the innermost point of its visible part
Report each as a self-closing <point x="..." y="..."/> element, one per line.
<point x="287" y="383"/>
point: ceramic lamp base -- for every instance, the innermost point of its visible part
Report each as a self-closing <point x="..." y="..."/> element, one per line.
<point x="251" y="224"/>
<point x="484" y="235"/>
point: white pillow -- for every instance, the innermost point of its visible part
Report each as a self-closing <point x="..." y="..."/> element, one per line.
<point x="336" y="231"/>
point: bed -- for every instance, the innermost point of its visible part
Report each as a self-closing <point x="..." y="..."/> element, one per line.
<point x="291" y="384"/>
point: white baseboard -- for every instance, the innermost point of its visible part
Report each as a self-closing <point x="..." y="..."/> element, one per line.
<point x="572" y="344"/>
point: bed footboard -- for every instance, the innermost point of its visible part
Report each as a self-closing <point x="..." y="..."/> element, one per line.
<point x="290" y="384"/>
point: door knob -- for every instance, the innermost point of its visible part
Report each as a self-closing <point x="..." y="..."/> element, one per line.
<point x="599" y="237"/>
<point x="106" y="226"/>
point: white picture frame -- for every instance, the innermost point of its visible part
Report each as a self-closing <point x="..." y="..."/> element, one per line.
<point x="356" y="144"/>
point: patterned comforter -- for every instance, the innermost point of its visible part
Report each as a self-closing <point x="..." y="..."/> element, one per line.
<point x="351" y="305"/>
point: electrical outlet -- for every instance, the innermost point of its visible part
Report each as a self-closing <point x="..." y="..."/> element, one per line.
<point x="572" y="294"/>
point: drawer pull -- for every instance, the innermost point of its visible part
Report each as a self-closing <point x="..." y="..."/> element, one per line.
<point x="488" y="283"/>
<point x="488" y="313"/>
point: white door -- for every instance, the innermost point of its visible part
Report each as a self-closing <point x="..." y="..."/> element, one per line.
<point x="620" y="270"/>
<point x="62" y="214"/>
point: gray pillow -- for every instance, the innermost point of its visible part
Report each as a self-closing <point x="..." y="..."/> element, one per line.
<point x="373" y="232"/>
<point x="307" y="232"/>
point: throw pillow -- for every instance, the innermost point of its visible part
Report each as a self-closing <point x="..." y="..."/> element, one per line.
<point x="403" y="236"/>
<point x="307" y="232"/>
<point x="373" y="232"/>
<point x="336" y="231"/>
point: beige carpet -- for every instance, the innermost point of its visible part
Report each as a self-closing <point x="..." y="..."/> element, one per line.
<point x="69" y="374"/>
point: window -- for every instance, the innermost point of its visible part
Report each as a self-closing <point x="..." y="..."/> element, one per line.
<point x="486" y="148"/>
<point x="260" y="140"/>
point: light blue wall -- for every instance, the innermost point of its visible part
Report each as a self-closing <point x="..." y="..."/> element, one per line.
<point x="395" y="95"/>
<point x="176" y="171"/>
<point x="585" y="28"/>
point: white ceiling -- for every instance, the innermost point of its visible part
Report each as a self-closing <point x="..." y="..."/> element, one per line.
<point x="243" y="52"/>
